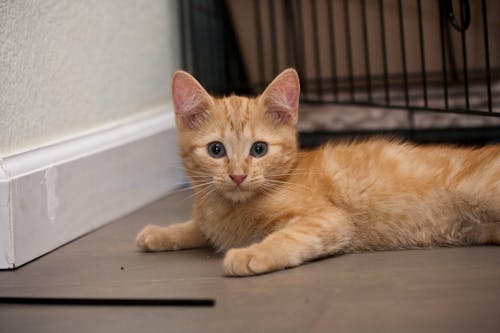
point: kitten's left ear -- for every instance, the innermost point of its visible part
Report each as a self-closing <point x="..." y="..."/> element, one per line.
<point x="281" y="97"/>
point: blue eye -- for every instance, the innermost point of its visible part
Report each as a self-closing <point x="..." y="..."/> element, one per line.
<point x="216" y="149"/>
<point x="258" y="149"/>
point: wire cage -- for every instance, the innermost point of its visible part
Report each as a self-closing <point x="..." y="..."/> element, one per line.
<point x="424" y="69"/>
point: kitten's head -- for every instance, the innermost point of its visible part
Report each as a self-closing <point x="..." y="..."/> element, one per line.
<point x="235" y="146"/>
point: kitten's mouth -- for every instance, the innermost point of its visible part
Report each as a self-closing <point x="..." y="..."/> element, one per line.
<point x="238" y="193"/>
<point x="238" y="188"/>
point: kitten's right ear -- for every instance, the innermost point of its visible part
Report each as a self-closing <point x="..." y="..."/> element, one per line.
<point x="191" y="100"/>
<point x="281" y="97"/>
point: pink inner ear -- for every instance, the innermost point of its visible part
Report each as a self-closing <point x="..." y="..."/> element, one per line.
<point x="292" y="96"/>
<point x="282" y="96"/>
<point x="191" y="101"/>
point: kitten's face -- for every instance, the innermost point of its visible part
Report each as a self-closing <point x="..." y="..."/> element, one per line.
<point x="235" y="146"/>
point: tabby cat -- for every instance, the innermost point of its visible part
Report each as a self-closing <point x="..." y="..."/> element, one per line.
<point x="272" y="206"/>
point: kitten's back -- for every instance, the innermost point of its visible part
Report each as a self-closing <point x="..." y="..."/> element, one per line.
<point x="434" y="191"/>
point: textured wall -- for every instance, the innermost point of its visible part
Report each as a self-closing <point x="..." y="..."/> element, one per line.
<point x="67" y="67"/>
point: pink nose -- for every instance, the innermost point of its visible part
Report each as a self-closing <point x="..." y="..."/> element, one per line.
<point x="238" y="179"/>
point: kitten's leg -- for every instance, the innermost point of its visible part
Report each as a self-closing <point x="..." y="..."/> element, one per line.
<point x="173" y="237"/>
<point x="303" y="239"/>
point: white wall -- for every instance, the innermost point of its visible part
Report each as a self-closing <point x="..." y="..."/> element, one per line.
<point x="70" y="67"/>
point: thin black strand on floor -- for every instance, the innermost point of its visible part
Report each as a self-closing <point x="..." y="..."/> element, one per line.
<point x="184" y="302"/>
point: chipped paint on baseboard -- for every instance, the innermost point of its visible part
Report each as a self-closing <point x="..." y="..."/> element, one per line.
<point x="50" y="182"/>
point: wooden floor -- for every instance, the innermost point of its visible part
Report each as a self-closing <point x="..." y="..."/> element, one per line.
<point x="440" y="290"/>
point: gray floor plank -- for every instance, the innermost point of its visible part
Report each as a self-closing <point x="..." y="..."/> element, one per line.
<point x="439" y="290"/>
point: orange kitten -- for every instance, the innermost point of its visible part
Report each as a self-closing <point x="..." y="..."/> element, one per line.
<point x="271" y="206"/>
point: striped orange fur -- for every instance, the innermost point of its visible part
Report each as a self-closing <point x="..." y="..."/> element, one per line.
<point x="294" y="206"/>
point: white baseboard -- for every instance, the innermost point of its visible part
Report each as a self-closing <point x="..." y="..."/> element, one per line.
<point x="52" y="195"/>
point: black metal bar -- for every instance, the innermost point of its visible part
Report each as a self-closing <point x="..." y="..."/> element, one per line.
<point x="467" y="136"/>
<point x="260" y="44"/>
<point x="286" y="40"/>
<point x="487" y="54"/>
<point x="274" y="39"/>
<point x="464" y="56"/>
<point x="317" y="60"/>
<point x="349" y="50"/>
<point x="411" y="123"/>
<point x="302" y="45"/>
<point x="201" y="302"/>
<point x="403" y="53"/>
<point x="366" y="51"/>
<point x="414" y="108"/>
<point x="384" y="52"/>
<point x="433" y="76"/>
<point x="422" y="52"/>
<point x="452" y="63"/>
<point x="443" y="54"/>
<point x="289" y="15"/>
<point x="332" y="49"/>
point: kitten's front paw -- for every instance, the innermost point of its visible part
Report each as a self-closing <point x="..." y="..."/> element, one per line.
<point x="249" y="261"/>
<point x="153" y="238"/>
